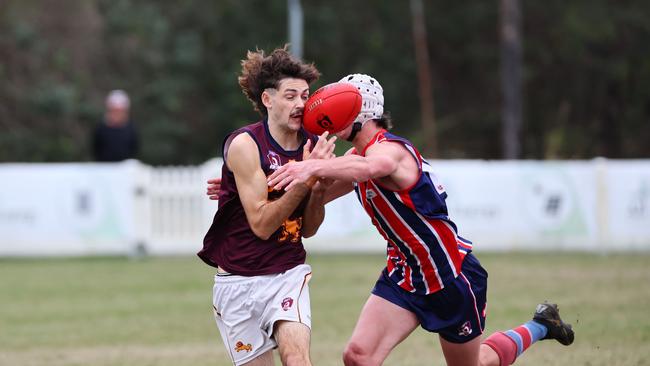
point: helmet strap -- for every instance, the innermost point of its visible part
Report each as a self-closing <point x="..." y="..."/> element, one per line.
<point x="356" y="127"/>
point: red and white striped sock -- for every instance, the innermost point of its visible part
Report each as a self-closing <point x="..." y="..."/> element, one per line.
<point x="512" y="343"/>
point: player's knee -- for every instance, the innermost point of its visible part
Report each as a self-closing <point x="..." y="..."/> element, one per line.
<point x="355" y="355"/>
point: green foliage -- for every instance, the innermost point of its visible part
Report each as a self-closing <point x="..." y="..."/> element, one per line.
<point x="586" y="72"/>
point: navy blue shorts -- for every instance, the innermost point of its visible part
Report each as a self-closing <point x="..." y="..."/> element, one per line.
<point x="456" y="312"/>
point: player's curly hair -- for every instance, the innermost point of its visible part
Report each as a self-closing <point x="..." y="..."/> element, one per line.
<point x="259" y="72"/>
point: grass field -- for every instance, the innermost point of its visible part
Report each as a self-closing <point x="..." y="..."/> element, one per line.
<point x="157" y="311"/>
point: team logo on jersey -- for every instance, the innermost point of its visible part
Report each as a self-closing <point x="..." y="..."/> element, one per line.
<point x="370" y="194"/>
<point x="274" y="160"/>
<point x="465" y="329"/>
<point x="240" y="346"/>
<point x="287" y="303"/>
<point x="290" y="230"/>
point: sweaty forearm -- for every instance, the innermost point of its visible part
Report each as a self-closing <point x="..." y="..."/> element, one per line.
<point x="272" y="214"/>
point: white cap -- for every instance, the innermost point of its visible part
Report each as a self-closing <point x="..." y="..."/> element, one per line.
<point x="372" y="94"/>
<point x="118" y="98"/>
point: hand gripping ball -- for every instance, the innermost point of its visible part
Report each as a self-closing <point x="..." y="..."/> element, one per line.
<point x="331" y="108"/>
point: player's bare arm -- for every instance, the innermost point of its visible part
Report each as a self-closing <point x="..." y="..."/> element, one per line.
<point x="351" y="168"/>
<point x="339" y="188"/>
<point x="264" y="216"/>
<point x="331" y="190"/>
<point x="382" y="161"/>
<point x="314" y="213"/>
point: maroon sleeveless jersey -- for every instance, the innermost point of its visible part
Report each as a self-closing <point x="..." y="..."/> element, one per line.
<point x="230" y="242"/>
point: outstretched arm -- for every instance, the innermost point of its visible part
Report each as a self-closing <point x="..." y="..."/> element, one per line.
<point x="350" y="168"/>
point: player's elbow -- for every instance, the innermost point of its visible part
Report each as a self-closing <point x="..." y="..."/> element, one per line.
<point x="308" y="232"/>
<point x="261" y="231"/>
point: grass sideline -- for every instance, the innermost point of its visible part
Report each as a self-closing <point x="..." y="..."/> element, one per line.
<point x="157" y="311"/>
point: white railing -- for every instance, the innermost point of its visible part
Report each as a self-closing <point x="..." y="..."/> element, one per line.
<point x="175" y="203"/>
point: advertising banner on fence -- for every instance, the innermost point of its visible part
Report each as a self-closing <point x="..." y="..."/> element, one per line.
<point x="66" y="209"/>
<point x="599" y="205"/>
<point x="130" y="208"/>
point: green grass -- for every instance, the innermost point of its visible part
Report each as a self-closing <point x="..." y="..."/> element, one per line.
<point x="157" y="311"/>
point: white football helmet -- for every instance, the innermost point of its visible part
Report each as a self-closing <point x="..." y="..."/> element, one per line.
<point x="372" y="94"/>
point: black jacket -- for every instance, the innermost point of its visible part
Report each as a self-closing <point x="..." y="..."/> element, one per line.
<point x="115" y="143"/>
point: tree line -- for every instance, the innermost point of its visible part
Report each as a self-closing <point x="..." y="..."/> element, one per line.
<point x="585" y="72"/>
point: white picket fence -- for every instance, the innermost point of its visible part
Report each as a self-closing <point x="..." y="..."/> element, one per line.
<point x="174" y="212"/>
<point x="131" y="208"/>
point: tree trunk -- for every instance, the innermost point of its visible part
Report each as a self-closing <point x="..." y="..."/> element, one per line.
<point x="510" y="19"/>
<point x="430" y="146"/>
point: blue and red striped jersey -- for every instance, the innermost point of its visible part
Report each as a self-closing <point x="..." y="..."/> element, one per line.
<point x="424" y="250"/>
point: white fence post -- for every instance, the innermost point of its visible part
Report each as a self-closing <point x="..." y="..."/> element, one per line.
<point x="141" y="176"/>
<point x="602" y="204"/>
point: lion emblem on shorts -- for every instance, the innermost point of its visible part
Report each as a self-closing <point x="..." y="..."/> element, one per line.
<point x="290" y="230"/>
<point x="287" y="303"/>
<point x="240" y="346"/>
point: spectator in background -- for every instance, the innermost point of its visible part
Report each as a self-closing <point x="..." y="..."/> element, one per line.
<point x="115" y="138"/>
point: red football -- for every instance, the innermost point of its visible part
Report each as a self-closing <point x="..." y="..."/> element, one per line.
<point x="331" y="108"/>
